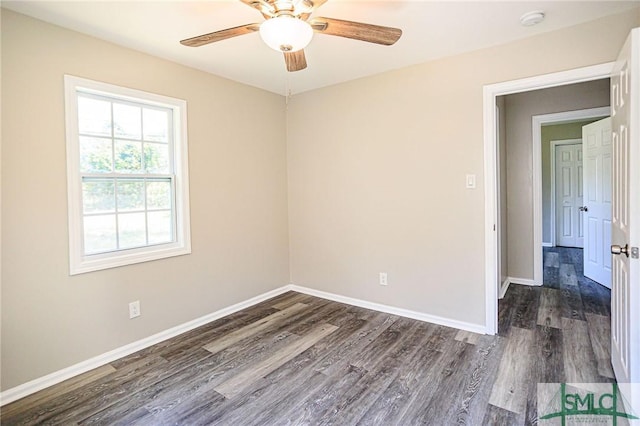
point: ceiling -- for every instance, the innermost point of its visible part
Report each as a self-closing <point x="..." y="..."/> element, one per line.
<point x="431" y="29"/>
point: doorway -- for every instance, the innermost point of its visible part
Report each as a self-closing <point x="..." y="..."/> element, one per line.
<point x="546" y="128"/>
<point x="492" y="234"/>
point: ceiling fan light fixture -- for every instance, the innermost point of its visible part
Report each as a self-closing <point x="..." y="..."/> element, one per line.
<point x="286" y="33"/>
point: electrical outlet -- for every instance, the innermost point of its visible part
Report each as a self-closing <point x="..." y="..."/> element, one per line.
<point x="383" y="278"/>
<point x="134" y="309"/>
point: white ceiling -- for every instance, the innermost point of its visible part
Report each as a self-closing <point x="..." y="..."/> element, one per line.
<point x="431" y="29"/>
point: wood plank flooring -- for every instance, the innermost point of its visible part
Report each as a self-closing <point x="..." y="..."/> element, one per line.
<point x="298" y="359"/>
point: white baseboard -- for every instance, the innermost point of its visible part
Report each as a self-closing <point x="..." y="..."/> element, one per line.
<point x="56" y="377"/>
<point x="547" y="244"/>
<point x="504" y="287"/>
<point x="448" y="322"/>
<point x="523" y="281"/>
<point x="40" y="383"/>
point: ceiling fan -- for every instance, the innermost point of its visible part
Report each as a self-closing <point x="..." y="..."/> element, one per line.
<point x="287" y="29"/>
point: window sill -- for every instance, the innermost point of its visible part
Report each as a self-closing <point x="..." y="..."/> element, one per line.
<point x="128" y="257"/>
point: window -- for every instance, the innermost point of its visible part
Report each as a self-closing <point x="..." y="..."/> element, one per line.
<point x="127" y="176"/>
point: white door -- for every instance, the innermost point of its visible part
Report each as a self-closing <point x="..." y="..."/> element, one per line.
<point x="596" y="144"/>
<point x="569" y="195"/>
<point x="625" y="292"/>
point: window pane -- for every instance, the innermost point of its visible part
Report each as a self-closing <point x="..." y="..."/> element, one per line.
<point x="99" y="233"/>
<point x="98" y="196"/>
<point x="158" y="195"/>
<point x="160" y="229"/>
<point x="155" y="125"/>
<point x="128" y="157"/>
<point x="95" y="155"/>
<point x="131" y="230"/>
<point x="130" y="195"/>
<point x="127" y="121"/>
<point x="156" y="158"/>
<point x="94" y="116"/>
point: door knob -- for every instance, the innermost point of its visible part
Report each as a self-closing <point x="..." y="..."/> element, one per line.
<point x="583" y="209"/>
<point x="616" y="249"/>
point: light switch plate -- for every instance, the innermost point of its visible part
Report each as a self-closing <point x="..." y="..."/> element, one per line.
<point x="471" y="181"/>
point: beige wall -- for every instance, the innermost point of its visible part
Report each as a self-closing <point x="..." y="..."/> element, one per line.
<point x="550" y="133"/>
<point x="377" y="176"/>
<point x="520" y="108"/>
<point x="237" y="153"/>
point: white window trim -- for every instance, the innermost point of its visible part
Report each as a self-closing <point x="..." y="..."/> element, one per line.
<point x="80" y="263"/>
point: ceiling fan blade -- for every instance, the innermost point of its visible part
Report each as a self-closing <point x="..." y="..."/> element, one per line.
<point x="356" y="30"/>
<point x="315" y="4"/>
<point x="203" y="39"/>
<point x="295" y="61"/>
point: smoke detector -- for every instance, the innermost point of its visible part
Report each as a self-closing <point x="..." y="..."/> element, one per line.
<point x="532" y="18"/>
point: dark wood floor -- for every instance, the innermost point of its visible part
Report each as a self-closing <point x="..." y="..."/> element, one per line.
<point x="297" y="359"/>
